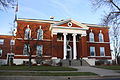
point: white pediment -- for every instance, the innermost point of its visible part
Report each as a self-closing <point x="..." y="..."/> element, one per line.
<point x="72" y="21"/>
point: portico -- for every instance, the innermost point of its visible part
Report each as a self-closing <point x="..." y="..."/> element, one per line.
<point x="66" y="30"/>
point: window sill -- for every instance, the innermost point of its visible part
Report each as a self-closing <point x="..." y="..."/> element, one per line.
<point x="99" y="56"/>
<point x="97" y="42"/>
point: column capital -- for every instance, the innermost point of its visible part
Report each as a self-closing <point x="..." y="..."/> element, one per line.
<point x="74" y="34"/>
<point x="65" y="33"/>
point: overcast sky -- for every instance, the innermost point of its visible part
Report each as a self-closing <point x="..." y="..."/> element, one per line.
<point x="80" y="10"/>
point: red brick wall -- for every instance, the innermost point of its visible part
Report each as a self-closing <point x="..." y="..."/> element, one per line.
<point x="6" y="46"/>
<point x="34" y="26"/>
<point x="96" y="32"/>
<point x="84" y="46"/>
<point x="97" y="45"/>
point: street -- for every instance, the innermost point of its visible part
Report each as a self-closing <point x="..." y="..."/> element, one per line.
<point x="57" y="78"/>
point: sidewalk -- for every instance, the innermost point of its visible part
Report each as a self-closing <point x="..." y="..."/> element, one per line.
<point x="99" y="71"/>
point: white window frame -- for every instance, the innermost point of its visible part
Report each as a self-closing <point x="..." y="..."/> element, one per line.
<point x="92" y="49"/>
<point x="25" y="49"/>
<point x="91" y="37"/>
<point x="101" y="39"/>
<point x="1" y="51"/>
<point x="39" y="34"/>
<point x="1" y="41"/>
<point x="41" y="50"/>
<point x="12" y="42"/>
<point x="102" y="50"/>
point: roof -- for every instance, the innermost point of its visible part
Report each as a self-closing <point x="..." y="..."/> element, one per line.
<point x="37" y="20"/>
<point x="60" y="22"/>
<point x="94" y="25"/>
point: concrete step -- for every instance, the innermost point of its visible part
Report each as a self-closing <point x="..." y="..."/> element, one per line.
<point x="85" y="63"/>
<point x="74" y="63"/>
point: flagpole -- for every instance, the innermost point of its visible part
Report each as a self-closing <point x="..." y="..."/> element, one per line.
<point x="14" y="24"/>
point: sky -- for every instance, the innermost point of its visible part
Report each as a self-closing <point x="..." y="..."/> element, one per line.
<point x="79" y="10"/>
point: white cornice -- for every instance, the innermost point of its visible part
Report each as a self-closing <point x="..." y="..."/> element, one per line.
<point x="37" y="20"/>
<point x="94" y="25"/>
<point x="64" y="27"/>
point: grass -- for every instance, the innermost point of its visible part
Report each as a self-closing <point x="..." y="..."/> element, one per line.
<point x="112" y="67"/>
<point x="37" y="68"/>
<point x="47" y="74"/>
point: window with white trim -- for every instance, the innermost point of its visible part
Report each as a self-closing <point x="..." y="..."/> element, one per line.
<point x="2" y="41"/>
<point x="40" y="34"/>
<point x="26" y="49"/>
<point x="101" y="39"/>
<point x="12" y="42"/>
<point x="102" y="51"/>
<point x="92" y="51"/>
<point x="27" y="33"/>
<point x="0" y="52"/>
<point x="39" y="50"/>
<point x="91" y="36"/>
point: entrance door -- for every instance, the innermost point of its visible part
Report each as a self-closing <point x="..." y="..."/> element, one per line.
<point x="10" y="57"/>
<point x="69" y="52"/>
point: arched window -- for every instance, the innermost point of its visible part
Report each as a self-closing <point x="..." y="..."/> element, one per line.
<point x="91" y="36"/>
<point x="101" y="37"/>
<point x="0" y="52"/>
<point x="40" y="34"/>
<point x="27" y="33"/>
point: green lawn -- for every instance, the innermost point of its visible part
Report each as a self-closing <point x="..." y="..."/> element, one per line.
<point x="115" y="67"/>
<point x="37" y="68"/>
<point x="46" y="74"/>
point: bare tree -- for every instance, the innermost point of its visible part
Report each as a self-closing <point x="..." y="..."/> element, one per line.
<point x="6" y="4"/>
<point x="31" y="47"/>
<point x="111" y="18"/>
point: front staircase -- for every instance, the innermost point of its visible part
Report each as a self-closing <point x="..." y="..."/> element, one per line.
<point x="74" y="63"/>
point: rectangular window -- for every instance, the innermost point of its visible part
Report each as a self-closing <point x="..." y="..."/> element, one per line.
<point x="12" y="42"/>
<point x="39" y="50"/>
<point x="59" y="36"/>
<point x="92" y="51"/>
<point x="1" y="41"/>
<point x="26" y="49"/>
<point x="102" y="51"/>
<point x="0" y="52"/>
<point x="69" y="37"/>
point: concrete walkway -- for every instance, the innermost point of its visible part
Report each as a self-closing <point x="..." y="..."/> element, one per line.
<point x="99" y="71"/>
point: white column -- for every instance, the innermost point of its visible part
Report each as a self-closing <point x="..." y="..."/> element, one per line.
<point x="65" y="45"/>
<point x="74" y="47"/>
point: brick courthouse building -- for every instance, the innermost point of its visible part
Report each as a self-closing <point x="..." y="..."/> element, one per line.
<point x="66" y="40"/>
